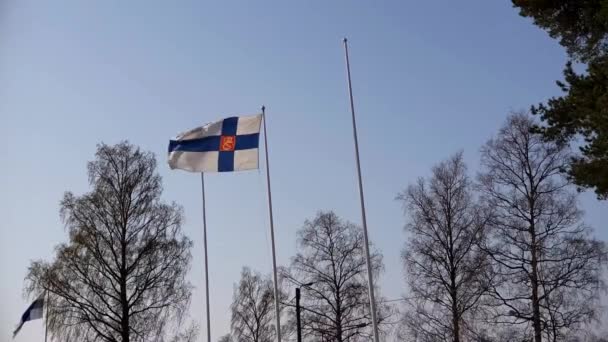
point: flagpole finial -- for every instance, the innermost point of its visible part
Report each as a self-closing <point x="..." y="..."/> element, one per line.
<point x="345" y="40"/>
<point x="263" y="108"/>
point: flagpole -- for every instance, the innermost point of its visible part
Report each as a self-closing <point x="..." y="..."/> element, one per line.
<point x="274" y="257"/>
<point x="370" y="281"/>
<point x="46" y="317"/>
<point x="206" y="260"/>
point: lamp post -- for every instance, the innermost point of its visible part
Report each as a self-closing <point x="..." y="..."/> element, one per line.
<point x="298" y="322"/>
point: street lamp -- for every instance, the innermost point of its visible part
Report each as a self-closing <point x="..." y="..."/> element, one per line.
<point x="298" y="323"/>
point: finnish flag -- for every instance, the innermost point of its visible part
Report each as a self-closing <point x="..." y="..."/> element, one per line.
<point x="227" y="145"/>
<point x="34" y="311"/>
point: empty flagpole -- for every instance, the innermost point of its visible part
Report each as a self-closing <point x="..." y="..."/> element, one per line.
<point x="370" y="280"/>
<point x="274" y="256"/>
<point x="206" y="261"/>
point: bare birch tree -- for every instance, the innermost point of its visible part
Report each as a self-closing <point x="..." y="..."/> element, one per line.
<point x="225" y="338"/>
<point x="447" y="271"/>
<point x="548" y="264"/>
<point x="122" y="274"/>
<point x="253" y="308"/>
<point x="189" y="334"/>
<point x="331" y="257"/>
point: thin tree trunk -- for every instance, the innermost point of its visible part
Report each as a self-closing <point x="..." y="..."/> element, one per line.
<point x="454" y="297"/>
<point x="534" y="279"/>
<point x="124" y="322"/>
<point x="338" y="318"/>
<point x="453" y="288"/>
<point x="455" y="318"/>
<point x="125" y="314"/>
<point x="534" y="250"/>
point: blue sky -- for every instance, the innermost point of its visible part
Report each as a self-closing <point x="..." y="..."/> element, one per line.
<point x="430" y="78"/>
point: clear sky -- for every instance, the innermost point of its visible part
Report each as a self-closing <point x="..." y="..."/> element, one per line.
<point x="430" y="78"/>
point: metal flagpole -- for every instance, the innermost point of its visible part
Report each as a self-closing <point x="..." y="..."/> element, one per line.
<point x="372" y="300"/>
<point x="274" y="257"/>
<point x="206" y="261"/>
<point x="46" y="317"/>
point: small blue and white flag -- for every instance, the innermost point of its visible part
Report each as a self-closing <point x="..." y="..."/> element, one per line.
<point x="227" y="145"/>
<point x="33" y="312"/>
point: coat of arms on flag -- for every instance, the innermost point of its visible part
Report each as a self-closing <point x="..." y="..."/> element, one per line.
<point x="226" y="145"/>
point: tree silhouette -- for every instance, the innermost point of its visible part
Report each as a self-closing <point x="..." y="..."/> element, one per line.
<point x="121" y="275"/>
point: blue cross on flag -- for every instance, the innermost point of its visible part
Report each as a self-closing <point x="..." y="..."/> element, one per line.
<point x="227" y="145"/>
